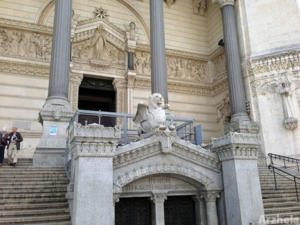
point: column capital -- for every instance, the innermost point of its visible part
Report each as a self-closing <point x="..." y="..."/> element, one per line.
<point x="211" y="196"/>
<point x="224" y="2"/>
<point x="159" y="197"/>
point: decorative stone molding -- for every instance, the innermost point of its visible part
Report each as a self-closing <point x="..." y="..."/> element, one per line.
<point x="200" y="7"/>
<point x="100" y="13"/>
<point x="27" y="68"/>
<point x="159" y="197"/>
<point x="93" y="140"/>
<point x="224" y="110"/>
<point x="211" y="196"/>
<point x="159" y="182"/>
<point x="163" y="142"/>
<point x="126" y="177"/>
<point x="224" y="2"/>
<point x="237" y="146"/>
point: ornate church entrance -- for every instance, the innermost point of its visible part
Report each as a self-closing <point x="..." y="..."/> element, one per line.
<point x="133" y="211"/>
<point x="97" y="94"/>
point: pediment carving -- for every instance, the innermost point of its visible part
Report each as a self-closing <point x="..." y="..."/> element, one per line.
<point x="99" y="43"/>
<point x="162" y="143"/>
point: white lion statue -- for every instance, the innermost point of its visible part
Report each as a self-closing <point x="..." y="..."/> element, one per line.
<point x="151" y="117"/>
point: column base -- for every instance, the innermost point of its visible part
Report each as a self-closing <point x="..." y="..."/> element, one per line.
<point x="241" y="123"/>
<point x="55" y="117"/>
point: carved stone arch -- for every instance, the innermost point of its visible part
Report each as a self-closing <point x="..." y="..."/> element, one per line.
<point x="127" y="177"/>
<point x="46" y="10"/>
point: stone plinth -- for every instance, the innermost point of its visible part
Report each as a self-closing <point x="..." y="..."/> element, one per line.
<point x="92" y="149"/>
<point x="55" y="116"/>
<point x="238" y="153"/>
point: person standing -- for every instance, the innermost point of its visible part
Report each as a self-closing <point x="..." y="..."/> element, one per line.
<point x="14" y="142"/>
<point x="3" y="143"/>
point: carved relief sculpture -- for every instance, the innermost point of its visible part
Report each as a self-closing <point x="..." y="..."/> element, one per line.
<point x="98" y="50"/>
<point x="177" y="67"/>
<point x="25" y="44"/>
<point x="290" y="120"/>
<point x="200" y="7"/>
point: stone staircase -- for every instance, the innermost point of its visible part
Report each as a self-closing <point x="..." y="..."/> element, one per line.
<point x="282" y="203"/>
<point x="31" y="195"/>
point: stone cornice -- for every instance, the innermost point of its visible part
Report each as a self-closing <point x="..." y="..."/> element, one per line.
<point x="279" y="62"/>
<point x="24" y="67"/>
<point x="26" y="26"/>
<point x="93" y="140"/>
<point x="237" y="146"/>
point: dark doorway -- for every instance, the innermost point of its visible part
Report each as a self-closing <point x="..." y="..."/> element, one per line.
<point x="133" y="211"/>
<point x="179" y="211"/>
<point x="95" y="95"/>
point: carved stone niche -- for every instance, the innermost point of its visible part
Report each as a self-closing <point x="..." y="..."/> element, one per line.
<point x="99" y="46"/>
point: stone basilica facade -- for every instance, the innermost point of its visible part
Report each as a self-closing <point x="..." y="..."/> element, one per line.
<point x="231" y="65"/>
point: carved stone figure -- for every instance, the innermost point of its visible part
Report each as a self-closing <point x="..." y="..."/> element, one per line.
<point x="99" y="45"/>
<point x="200" y="7"/>
<point x="151" y="117"/>
<point x="290" y="119"/>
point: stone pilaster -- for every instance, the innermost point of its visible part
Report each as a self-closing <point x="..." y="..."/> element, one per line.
<point x="93" y="148"/>
<point x="158" y="53"/>
<point x="200" y="210"/>
<point x="211" y="207"/>
<point x="75" y="81"/>
<point x="158" y="214"/>
<point x="56" y="112"/>
<point x="238" y="153"/>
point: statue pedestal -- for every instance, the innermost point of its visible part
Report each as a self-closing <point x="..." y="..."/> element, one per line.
<point x="238" y="153"/>
<point x="55" y="117"/>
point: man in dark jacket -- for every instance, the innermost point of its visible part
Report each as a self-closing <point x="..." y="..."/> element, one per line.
<point x="3" y="143"/>
<point x="14" y="142"/>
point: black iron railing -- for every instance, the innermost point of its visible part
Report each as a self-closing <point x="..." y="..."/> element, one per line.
<point x="285" y="160"/>
<point x="287" y="175"/>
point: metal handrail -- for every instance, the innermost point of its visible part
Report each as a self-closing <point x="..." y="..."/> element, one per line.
<point x="274" y="168"/>
<point x="284" y="159"/>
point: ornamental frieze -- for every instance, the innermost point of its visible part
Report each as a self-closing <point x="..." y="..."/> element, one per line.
<point x="177" y="67"/>
<point x="32" y="45"/>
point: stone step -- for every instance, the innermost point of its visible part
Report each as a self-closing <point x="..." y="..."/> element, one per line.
<point x="33" y="212"/>
<point x="33" y="190"/>
<point x="283" y="209"/>
<point x="24" y="183"/>
<point x="26" y="187"/>
<point x="31" y="195"/>
<point x="33" y="200"/>
<point x="35" y="219"/>
<point x="48" y="205"/>
<point x="279" y="204"/>
<point x="34" y="179"/>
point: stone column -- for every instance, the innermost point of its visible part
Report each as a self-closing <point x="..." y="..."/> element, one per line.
<point x="158" y="53"/>
<point x="93" y="148"/>
<point x="234" y="69"/>
<point x="200" y="210"/>
<point x="131" y="76"/>
<point x="238" y="153"/>
<point x="211" y="207"/>
<point x="56" y="112"/>
<point x="158" y="214"/>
